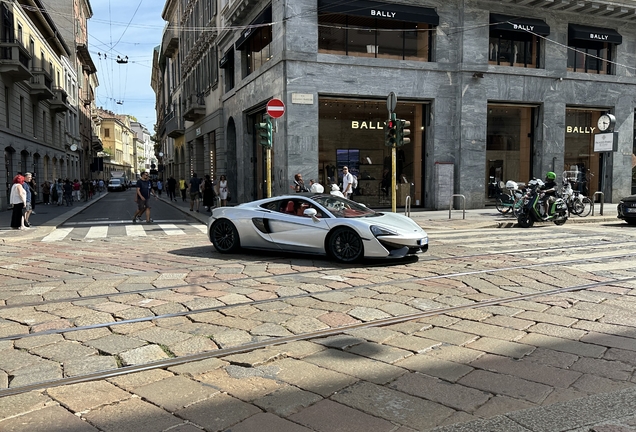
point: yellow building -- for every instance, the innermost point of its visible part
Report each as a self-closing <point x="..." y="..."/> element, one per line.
<point x="118" y="142"/>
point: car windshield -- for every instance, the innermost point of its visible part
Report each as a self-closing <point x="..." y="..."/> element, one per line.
<point x="344" y="208"/>
<point x="115" y="181"/>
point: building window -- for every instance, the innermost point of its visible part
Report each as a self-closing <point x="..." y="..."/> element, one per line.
<point x="21" y="114"/>
<point x="516" y="41"/>
<point x="257" y="50"/>
<point x="7" y="107"/>
<point x="373" y="37"/>
<point x="106" y="133"/>
<point x="227" y="63"/>
<point x="34" y="110"/>
<point x="590" y="49"/>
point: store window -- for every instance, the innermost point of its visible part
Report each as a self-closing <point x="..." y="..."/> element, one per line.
<point x="580" y="128"/>
<point x="374" y="37"/>
<point x="591" y="49"/>
<point x="255" y="41"/>
<point x="516" y="41"/>
<point x="509" y="145"/>
<point x="351" y="133"/>
<point x="227" y="63"/>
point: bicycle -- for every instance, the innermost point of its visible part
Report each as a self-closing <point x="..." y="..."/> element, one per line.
<point x="509" y="200"/>
<point x="578" y="204"/>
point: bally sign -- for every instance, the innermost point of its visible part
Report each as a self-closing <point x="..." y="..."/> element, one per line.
<point x="599" y="36"/>
<point x="367" y="125"/>
<point x="380" y="13"/>
<point x="580" y="129"/>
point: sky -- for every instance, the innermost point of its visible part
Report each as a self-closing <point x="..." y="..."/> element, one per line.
<point x="125" y="28"/>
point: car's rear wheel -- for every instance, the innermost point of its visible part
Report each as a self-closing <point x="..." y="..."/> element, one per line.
<point x="345" y="245"/>
<point x="224" y="236"/>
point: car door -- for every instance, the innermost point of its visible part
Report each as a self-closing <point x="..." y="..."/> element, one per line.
<point x="293" y="232"/>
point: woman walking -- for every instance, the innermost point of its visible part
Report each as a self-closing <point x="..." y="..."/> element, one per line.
<point x="18" y="200"/>
<point x="208" y="193"/>
<point x="223" y="190"/>
<point x="46" y="192"/>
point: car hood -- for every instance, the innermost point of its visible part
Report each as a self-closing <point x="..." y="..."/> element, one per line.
<point x="631" y="198"/>
<point x="395" y="221"/>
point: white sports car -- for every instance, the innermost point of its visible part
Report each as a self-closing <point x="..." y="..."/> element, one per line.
<point x="315" y="224"/>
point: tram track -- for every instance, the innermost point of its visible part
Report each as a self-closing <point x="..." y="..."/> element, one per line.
<point x="223" y="352"/>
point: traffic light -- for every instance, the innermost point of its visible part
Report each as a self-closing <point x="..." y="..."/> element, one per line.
<point x="403" y="132"/>
<point x="390" y="132"/>
<point x="265" y="133"/>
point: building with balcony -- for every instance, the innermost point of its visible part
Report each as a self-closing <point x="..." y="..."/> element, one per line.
<point x="33" y="100"/>
<point x="118" y="141"/>
<point x="493" y="91"/>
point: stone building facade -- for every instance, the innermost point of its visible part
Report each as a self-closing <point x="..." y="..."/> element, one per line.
<point x="493" y="90"/>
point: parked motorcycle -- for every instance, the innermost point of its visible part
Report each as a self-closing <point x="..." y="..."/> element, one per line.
<point x="533" y="209"/>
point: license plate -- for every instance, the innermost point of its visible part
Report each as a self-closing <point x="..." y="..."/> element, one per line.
<point x="630" y="210"/>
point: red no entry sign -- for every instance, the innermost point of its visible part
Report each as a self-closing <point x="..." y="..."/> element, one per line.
<point x="275" y="108"/>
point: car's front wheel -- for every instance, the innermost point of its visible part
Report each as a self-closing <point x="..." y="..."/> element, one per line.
<point x="631" y="221"/>
<point x="224" y="236"/>
<point x="345" y="245"/>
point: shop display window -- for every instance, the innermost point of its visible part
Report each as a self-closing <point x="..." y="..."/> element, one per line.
<point x="257" y="51"/>
<point x="374" y="37"/>
<point x="518" y="49"/>
<point x="580" y="128"/>
<point x="590" y="57"/>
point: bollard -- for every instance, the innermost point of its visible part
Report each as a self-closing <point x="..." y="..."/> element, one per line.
<point x="407" y="206"/>
<point x="602" y="200"/>
<point x="450" y="207"/>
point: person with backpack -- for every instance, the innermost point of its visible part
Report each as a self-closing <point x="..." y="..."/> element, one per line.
<point x="349" y="182"/>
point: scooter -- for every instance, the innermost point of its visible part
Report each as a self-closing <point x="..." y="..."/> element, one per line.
<point x="533" y="209"/>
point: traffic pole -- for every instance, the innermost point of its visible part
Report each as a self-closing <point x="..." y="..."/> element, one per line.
<point x="269" y="172"/>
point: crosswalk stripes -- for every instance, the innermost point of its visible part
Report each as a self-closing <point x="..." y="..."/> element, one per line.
<point x="124" y="230"/>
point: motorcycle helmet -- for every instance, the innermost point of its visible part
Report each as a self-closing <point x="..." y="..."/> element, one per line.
<point x="550" y="176"/>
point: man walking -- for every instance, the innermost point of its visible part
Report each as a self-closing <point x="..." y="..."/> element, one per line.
<point x="172" y="187"/>
<point x="347" y="182"/>
<point x="144" y="190"/>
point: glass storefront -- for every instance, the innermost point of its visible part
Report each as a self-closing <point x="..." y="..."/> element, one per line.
<point x="509" y="145"/>
<point x="580" y="128"/>
<point x="351" y="132"/>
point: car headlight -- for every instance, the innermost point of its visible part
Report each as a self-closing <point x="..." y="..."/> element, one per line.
<point x="381" y="231"/>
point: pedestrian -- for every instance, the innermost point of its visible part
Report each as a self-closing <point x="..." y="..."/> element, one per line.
<point x="77" y="188"/>
<point x="159" y="186"/>
<point x="194" y="188"/>
<point x="299" y="184"/>
<point x="172" y="186"/>
<point x="154" y="186"/>
<point x="46" y="192"/>
<point x="209" y="196"/>
<point x="68" y="192"/>
<point x="183" y="188"/>
<point x="142" y="197"/>
<point x="33" y="188"/>
<point x="58" y="192"/>
<point x="315" y="187"/>
<point x="347" y="182"/>
<point x="86" y="187"/>
<point x="18" y="200"/>
<point x="91" y="189"/>
<point x="224" y="192"/>
<point x="101" y="185"/>
<point x="26" y="185"/>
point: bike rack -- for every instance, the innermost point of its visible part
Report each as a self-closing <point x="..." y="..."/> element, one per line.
<point x="407" y="206"/>
<point x="594" y="199"/>
<point x="450" y="207"/>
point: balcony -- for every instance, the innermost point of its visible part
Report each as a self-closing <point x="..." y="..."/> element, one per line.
<point x="194" y="107"/>
<point x="41" y="84"/>
<point x="174" y="125"/>
<point x="14" y="60"/>
<point x="237" y="10"/>
<point x="97" y="144"/>
<point x="170" y="40"/>
<point x="59" y="103"/>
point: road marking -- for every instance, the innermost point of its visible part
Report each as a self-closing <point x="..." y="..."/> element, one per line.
<point x="97" y="232"/>
<point x="135" y="231"/>
<point x="127" y="221"/>
<point x="171" y="229"/>
<point x="57" y="235"/>
<point x="202" y="228"/>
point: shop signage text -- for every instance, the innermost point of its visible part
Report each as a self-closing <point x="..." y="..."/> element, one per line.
<point x="381" y="13"/>
<point x="580" y="129"/>
<point x="598" y="36"/>
<point x="367" y="125"/>
<point x="522" y="27"/>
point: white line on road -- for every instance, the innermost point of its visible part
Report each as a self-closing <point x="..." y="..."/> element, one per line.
<point x="57" y="235"/>
<point x="171" y="229"/>
<point x="202" y="228"/>
<point x="135" y="231"/>
<point x="127" y="221"/>
<point x="97" y="232"/>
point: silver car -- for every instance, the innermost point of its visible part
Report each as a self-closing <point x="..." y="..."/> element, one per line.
<point x="315" y="224"/>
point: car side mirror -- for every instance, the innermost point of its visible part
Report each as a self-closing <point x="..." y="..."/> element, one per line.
<point x="311" y="212"/>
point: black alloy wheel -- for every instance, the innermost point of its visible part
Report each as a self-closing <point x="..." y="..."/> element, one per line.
<point x="224" y="236"/>
<point x="345" y="245"/>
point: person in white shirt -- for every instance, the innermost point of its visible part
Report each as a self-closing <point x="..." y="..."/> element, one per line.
<point x="347" y="182"/>
<point x="315" y="187"/>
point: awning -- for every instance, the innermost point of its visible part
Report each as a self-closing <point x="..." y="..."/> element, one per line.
<point x="373" y="9"/>
<point x="264" y="17"/>
<point x="225" y="60"/>
<point x="594" y="34"/>
<point x="519" y="24"/>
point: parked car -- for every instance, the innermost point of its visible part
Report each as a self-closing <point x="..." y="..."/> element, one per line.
<point x="315" y="224"/>
<point x="115" y="184"/>
<point x="627" y="209"/>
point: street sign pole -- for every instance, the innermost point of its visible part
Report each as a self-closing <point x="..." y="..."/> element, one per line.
<point x="391" y="103"/>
